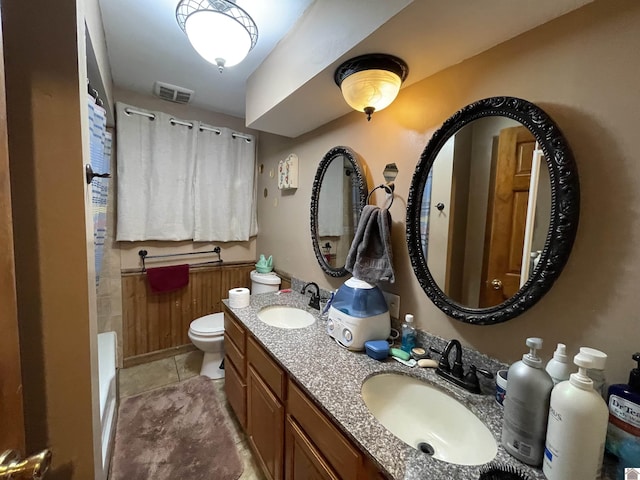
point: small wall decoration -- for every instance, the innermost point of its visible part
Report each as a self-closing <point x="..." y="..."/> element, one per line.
<point x="288" y="172"/>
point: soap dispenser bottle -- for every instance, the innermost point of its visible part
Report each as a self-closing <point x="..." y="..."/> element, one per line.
<point x="526" y="407"/>
<point x="624" y="412"/>
<point x="577" y="424"/>
<point x="559" y="367"/>
<point x="408" y="334"/>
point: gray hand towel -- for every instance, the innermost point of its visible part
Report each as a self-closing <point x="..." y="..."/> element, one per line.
<point x="370" y="257"/>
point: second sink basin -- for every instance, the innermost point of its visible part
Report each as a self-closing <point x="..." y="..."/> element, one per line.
<point x="428" y="419"/>
<point x="286" y="317"/>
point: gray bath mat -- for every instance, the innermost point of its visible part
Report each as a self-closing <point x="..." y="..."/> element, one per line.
<point x="176" y="432"/>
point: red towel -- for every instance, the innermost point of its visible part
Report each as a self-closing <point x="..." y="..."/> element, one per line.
<point x="168" y="279"/>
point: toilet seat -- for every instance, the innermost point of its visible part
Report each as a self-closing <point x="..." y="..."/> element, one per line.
<point x="211" y="325"/>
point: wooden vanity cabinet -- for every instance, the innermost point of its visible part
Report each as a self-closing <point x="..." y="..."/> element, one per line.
<point x="235" y="383"/>
<point x="290" y="436"/>
<point x="266" y="389"/>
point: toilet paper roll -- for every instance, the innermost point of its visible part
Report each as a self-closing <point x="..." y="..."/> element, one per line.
<point x="239" y="297"/>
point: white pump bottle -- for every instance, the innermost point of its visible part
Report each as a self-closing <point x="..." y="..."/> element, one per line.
<point x="577" y="427"/>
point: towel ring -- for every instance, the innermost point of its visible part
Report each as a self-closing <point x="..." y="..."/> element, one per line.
<point x="389" y="188"/>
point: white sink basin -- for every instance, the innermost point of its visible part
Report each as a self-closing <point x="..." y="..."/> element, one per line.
<point x="428" y="419"/>
<point x="286" y="317"/>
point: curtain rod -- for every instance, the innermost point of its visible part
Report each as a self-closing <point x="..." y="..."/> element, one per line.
<point x="175" y="121"/>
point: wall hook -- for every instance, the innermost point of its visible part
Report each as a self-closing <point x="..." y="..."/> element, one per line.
<point x="90" y="174"/>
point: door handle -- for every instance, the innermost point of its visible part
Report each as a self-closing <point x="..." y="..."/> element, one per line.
<point x="12" y="467"/>
<point x="496" y="284"/>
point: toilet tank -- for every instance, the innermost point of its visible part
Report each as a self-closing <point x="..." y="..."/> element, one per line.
<point x="264" y="282"/>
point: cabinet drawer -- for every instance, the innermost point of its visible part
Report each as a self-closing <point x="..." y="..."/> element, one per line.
<point x="236" y="391"/>
<point x="336" y="449"/>
<point x="233" y="354"/>
<point x="235" y="331"/>
<point x="270" y="372"/>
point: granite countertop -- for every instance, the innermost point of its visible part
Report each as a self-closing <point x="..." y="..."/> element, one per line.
<point x="333" y="376"/>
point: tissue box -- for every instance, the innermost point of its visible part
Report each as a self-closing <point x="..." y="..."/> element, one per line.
<point x="377" y="349"/>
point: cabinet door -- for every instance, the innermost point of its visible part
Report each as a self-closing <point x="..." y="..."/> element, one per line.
<point x="265" y="426"/>
<point x="302" y="460"/>
<point x="236" y="391"/>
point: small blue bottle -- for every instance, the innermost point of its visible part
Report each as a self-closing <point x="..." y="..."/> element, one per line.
<point x="408" y="334"/>
<point x="624" y="412"/>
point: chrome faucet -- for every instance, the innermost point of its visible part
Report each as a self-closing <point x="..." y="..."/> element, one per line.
<point x="455" y="374"/>
<point x="314" y="301"/>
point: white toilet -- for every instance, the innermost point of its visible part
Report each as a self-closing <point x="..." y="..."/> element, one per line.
<point x="207" y="333"/>
<point x="264" y="282"/>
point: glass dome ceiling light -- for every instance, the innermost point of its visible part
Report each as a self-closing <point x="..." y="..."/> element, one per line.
<point x="371" y="82"/>
<point x="220" y="31"/>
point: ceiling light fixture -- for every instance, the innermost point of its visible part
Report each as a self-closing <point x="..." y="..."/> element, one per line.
<point x="220" y="31"/>
<point x="371" y="82"/>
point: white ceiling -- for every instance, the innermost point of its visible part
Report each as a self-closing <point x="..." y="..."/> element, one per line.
<point x="145" y="44"/>
<point x="292" y="65"/>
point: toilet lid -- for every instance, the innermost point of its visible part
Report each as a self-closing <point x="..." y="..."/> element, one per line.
<point x="209" y="324"/>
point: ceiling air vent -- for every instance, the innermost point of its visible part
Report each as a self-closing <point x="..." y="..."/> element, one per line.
<point x="172" y="93"/>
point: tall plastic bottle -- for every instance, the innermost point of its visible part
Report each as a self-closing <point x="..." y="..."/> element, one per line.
<point x="526" y="407"/>
<point x="577" y="428"/>
<point x="558" y="367"/>
<point x="408" y="334"/>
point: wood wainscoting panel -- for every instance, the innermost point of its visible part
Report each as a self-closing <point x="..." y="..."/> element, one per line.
<point x="154" y="322"/>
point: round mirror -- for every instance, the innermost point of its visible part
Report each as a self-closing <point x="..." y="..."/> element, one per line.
<point x="338" y="196"/>
<point x="492" y="211"/>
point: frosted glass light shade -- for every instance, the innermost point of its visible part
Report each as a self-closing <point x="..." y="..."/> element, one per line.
<point x="371" y="82"/>
<point x="370" y="88"/>
<point x="221" y="32"/>
<point x="217" y="37"/>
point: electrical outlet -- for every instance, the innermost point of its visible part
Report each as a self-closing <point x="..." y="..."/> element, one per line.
<point x="393" y="302"/>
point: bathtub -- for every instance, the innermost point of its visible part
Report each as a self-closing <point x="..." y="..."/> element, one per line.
<point x="107" y="377"/>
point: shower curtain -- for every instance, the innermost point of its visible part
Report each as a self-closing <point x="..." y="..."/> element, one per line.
<point x="100" y="157"/>
<point x="179" y="180"/>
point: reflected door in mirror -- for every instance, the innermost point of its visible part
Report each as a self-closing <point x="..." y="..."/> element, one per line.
<point x="476" y="211"/>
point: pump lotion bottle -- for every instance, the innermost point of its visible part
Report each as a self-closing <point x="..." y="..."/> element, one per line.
<point x="526" y="407"/>
<point x="577" y="426"/>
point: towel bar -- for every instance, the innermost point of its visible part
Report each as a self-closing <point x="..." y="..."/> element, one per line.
<point x="144" y="255"/>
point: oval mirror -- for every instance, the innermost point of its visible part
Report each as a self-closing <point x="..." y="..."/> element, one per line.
<point x="338" y="196"/>
<point x="492" y="211"/>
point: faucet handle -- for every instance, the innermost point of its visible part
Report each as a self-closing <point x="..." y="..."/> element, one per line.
<point x="482" y="371"/>
<point x="443" y="364"/>
<point x="471" y="378"/>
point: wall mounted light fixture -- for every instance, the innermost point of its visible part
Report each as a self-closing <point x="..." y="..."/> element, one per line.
<point x="371" y="82"/>
<point x="220" y="31"/>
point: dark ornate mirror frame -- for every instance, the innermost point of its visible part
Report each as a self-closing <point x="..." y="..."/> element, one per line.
<point x="565" y="208"/>
<point x="315" y="197"/>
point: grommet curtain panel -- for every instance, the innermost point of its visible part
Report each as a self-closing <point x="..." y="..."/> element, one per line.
<point x="182" y="179"/>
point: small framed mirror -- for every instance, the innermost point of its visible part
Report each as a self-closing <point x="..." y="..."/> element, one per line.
<point x="338" y="196"/>
<point x="493" y="210"/>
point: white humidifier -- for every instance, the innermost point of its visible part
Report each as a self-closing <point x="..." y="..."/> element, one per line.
<point x="358" y="313"/>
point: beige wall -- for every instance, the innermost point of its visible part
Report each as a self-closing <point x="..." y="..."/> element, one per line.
<point x="46" y="91"/>
<point x="583" y="70"/>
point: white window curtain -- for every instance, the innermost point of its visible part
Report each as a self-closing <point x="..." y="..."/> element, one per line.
<point x="178" y="181"/>
<point x="224" y="187"/>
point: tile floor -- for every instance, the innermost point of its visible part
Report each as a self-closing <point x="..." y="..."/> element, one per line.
<point x="167" y="371"/>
